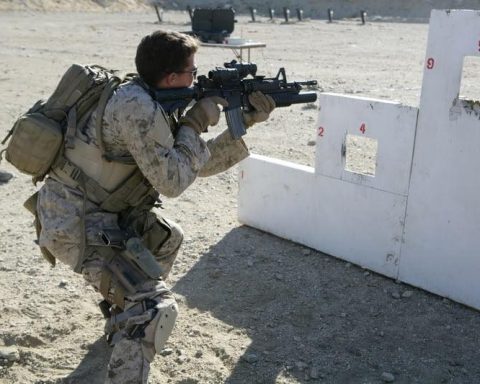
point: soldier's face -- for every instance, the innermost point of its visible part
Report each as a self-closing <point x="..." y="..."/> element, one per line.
<point x="181" y="79"/>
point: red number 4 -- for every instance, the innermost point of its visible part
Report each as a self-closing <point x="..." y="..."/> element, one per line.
<point x="363" y="128"/>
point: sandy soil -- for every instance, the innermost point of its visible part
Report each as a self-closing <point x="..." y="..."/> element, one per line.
<point x="254" y="308"/>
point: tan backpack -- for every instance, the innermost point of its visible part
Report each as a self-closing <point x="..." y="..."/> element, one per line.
<point x="38" y="137"/>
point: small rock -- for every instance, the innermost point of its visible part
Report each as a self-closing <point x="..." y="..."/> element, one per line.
<point x="311" y="142"/>
<point x="63" y="283"/>
<point x="348" y="265"/>
<point x="166" y="351"/>
<point x="5" y="177"/>
<point x="343" y="314"/>
<point x="381" y="333"/>
<point x="456" y="363"/>
<point x="9" y="354"/>
<point x="198" y="354"/>
<point x="314" y="373"/>
<point x="387" y="377"/>
<point x="279" y="276"/>
<point x="306" y="252"/>
<point x="396" y="295"/>
<point x="181" y="359"/>
<point x="366" y="273"/>
<point x="216" y="273"/>
<point x="407" y="294"/>
<point x="300" y="365"/>
<point x="249" y="263"/>
<point x="250" y="358"/>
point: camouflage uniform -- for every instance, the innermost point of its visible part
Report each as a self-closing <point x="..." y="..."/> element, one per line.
<point x="170" y="159"/>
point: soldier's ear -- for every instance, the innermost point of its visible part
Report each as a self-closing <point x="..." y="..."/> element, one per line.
<point x="168" y="81"/>
<point x="172" y="77"/>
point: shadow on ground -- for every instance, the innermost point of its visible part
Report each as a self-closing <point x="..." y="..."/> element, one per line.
<point x="93" y="368"/>
<point x="313" y="317"/>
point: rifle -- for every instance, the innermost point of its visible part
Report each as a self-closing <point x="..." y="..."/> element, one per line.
<point x="231" y="84"/>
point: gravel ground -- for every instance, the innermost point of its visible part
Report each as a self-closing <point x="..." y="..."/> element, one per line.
<point x="254" y="308"/>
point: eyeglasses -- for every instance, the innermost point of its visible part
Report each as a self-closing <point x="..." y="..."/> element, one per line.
<point x="193" y="72"/>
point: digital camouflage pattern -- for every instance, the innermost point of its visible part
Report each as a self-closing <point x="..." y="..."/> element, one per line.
<point x="133" y="124"/>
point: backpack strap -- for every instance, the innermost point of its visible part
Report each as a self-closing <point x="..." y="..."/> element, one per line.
<point x="112" y="84"/>
<point x="71" y="127"/>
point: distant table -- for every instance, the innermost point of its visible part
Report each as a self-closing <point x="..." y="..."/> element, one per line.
<point x="237" y="48"/>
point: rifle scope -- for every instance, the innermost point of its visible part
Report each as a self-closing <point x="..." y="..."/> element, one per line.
<point x="244" y="69"/>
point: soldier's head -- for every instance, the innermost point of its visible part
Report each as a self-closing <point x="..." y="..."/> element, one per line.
<point x="166" y="59"/>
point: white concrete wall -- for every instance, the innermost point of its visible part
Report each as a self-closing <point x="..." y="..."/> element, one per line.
<point x="442" y="234"/>
<point x="355" y="217"/>
<point x="419" y="221"/>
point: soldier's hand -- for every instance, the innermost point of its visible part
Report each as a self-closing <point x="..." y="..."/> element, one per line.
<point x="205" y="112"/>
<point x="262" y="105"/>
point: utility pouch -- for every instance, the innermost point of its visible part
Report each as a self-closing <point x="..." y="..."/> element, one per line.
<point x="36" y="141"/>
<point x="157" y="234"/>
<point x="136" y="252"/>
<point x="31" y="205"/>
<point x="152" y="229"/>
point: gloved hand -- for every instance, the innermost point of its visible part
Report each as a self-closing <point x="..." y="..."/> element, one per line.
<point x="262" y="105"/>
<point x="205" y="112"/>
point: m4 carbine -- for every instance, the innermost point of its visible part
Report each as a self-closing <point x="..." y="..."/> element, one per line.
<point x="232" y="84"/>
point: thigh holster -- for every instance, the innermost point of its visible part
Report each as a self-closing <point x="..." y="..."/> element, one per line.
<point x="127" y="265"/>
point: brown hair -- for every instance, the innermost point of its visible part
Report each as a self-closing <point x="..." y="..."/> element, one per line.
<point x="163" y="52"/>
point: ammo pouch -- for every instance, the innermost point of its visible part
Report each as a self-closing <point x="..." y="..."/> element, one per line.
<point x="155" y="231"/>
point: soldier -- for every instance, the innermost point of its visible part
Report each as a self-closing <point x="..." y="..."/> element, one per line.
<point x="95" y="209"/>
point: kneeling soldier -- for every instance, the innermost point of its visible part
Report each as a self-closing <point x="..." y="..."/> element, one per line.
<point x="95" y="208"/>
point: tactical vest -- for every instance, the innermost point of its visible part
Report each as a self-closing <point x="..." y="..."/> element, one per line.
<point x="114" y="183"/>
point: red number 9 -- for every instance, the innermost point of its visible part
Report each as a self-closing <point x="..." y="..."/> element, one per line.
<point x="430" y="63"/>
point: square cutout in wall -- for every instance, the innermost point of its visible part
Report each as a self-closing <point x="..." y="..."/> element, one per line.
<point x="469" y="86"/>
<point x="360" y="155"/>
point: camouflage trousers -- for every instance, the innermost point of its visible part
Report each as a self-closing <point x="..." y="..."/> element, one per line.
<point x="131" y="358"/>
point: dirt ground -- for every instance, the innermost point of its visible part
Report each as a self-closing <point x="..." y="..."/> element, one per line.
<point x="253" y="308"/>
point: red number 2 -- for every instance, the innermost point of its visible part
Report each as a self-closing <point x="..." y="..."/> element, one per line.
<point x="320" y="131"/>
<point x="363" y="128"/>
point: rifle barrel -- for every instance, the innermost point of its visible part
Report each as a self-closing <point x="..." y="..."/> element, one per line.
<point x="286" y="99"/>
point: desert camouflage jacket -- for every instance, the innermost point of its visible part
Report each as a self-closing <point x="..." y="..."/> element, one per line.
<point x="171" y="159"/>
